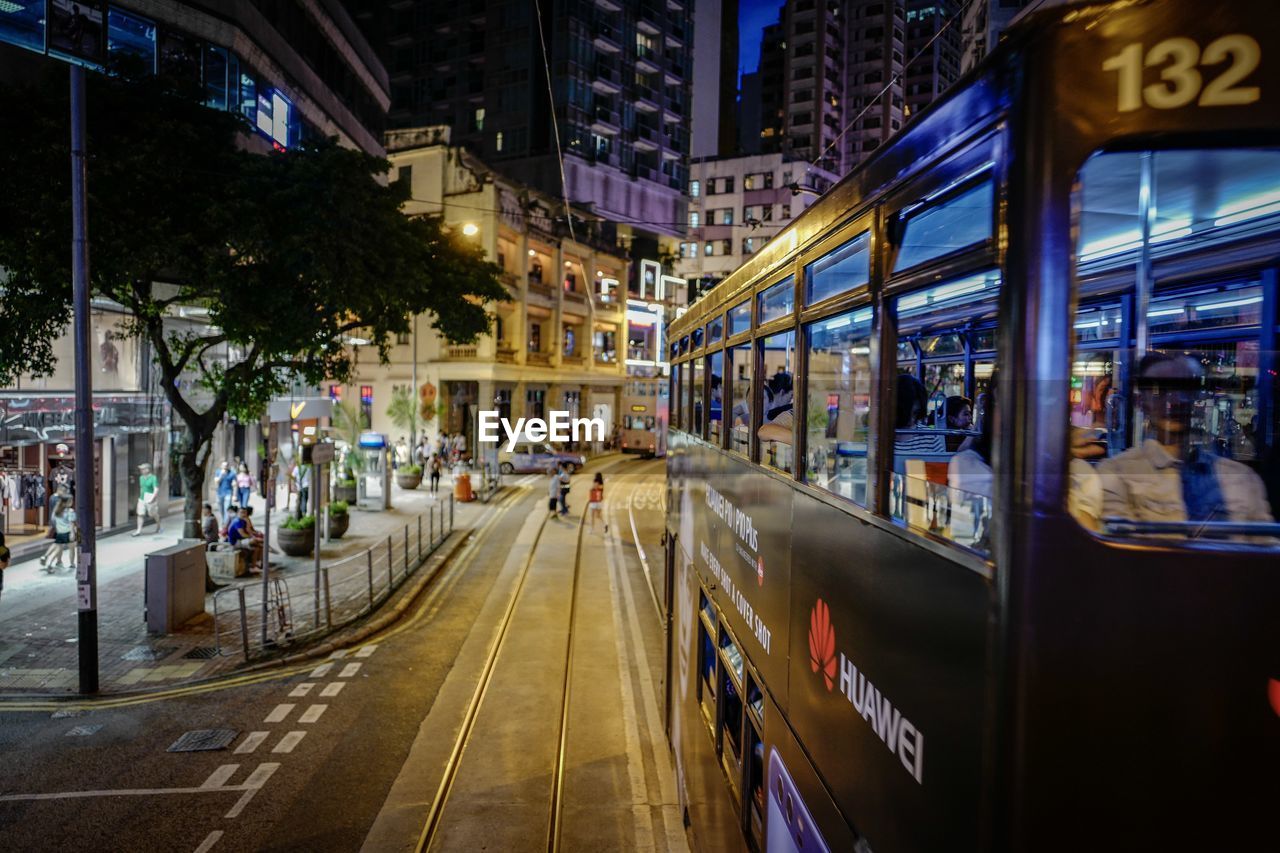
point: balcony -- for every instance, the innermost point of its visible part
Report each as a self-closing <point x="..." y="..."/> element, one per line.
<point x="607" y="79"/>
<point x="538" y="357"/>
<point x="648" y="18"/>
<point x="461" y="353"/>
<point x="646" y="138"/>
<point x="646" y="60"/>
<point x="606" y="39"/>
<point x="506" y="354"/>
<point x="605" y="122"/>
<point x="537" y="288"/>
<point x="646" y="99"/>
<point x="575" y="360"/>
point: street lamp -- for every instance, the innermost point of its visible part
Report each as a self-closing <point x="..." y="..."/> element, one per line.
<point x="470" y="229"/>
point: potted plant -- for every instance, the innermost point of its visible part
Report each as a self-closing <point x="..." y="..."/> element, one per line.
<point x="297" y="536"/>
<point x="409" y="476"/>
<point x="339" y="519"/>
<point x="345" y="489"/>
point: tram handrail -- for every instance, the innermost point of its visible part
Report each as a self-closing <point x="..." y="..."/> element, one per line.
<point x="1119" y="526"/>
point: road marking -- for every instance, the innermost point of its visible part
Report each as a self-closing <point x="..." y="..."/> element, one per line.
<point x="301" y="690"/>
<point x="365" y="651"/>
<point x="278" y="713"/>
<point x="288" y="742"/>
<point x="349" y="670"/>
<point x="209" y="840"/>
<point x="339" y="654"/>
<point x="252" y="741"/>
<point x="333" y="689"/>
<point x="252" y="785"/>
<point x="322" y="670"/>
<point x="312" y="714"/>
<point x="220" y="777"/>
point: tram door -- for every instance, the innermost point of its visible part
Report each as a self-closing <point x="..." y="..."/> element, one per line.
<point x="668" y="599"/>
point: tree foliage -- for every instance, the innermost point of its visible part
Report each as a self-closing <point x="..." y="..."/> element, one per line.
<point x="290" y="253"/>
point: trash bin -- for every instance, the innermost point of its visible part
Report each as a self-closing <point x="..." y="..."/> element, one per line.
<point x="174" y="591"/>
<point x="462" y="487"/>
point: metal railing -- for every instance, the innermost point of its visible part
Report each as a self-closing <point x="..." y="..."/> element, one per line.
<point x="348" y="589"/>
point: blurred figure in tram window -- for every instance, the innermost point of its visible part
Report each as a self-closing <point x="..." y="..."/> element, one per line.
<point x="959" y="411"/>
<point x="1167" y="477"/>
<point x="779" y="414"/>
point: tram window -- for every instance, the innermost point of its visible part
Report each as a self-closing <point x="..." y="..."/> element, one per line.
<point x="755" y="786"/>
<point x="715" y="329"/>
<point x="682" y="396"/>
<point x="1172" y="442"/>
<point x="731" y="718"/>
<point x="778" y="300"/>
<point x="699" y="393"/>
<point x="740" y="317"/>
<point x="741" y="367"/>
<point x="715" y="401"/>
<point x="777" y="415"/>
<point x="940" y="474"/>
<point x="696" y="341"/>
<point x="839" y="271"/>
<point x="838" y="403"/>
<point x="706" y="672"/>
<point x="932" y="229"/>
<point x="1202" y="197"/>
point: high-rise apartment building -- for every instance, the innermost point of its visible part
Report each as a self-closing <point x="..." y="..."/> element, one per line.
<point x="618" y="100"/>
<point x="714" y="115"/>
<point x="982" y="23"/>
<point x="839" y="77"/>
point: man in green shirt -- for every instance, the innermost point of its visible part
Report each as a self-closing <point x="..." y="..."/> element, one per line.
<point x="148" y="498"/>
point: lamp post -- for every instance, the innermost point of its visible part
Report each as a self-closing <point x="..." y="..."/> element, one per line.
<point x="86" y="571"/>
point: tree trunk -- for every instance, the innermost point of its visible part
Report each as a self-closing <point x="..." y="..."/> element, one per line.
<point x="193" y="485"/>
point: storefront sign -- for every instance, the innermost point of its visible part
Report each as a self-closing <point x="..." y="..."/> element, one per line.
<point x="309" y="408"/>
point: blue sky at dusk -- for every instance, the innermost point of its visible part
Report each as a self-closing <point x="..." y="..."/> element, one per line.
<point x="753" y="17"/>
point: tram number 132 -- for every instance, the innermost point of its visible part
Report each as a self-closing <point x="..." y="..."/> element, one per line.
<point x="1181" y="79"/>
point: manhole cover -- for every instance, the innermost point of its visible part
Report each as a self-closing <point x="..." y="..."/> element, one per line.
<point x="149" y="653"/>
<point x="201" y="653"/>
<point x="84" y="731"/>
<point x="202" y="740"/>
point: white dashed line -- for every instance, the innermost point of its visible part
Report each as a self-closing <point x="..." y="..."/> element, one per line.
<point x="338" y="655"/>
<point x="278" y="714"/>
<point x="365" y="651"/>
<point x="312" y="714"/>
<point x="209" y="840"/>
<point x="251" y="741"/>
<point x="288" y="742"/>
<point x="349" y="670"/>
<point x="301" y="690"/>
<point x="253" y="784"/>
<point x="221" y="776"/>
<point x="322" y="670"/>
<point x="333" y="689"/>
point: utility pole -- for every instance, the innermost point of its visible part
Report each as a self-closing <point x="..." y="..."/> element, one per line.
<point x="413" y="398"/>
<point x="86" y="570"/>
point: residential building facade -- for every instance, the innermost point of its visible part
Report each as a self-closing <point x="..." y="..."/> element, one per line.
<point x="557" y="343"/>
<point x="738" y="204"/>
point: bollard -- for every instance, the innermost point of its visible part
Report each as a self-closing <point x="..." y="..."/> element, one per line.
<point x="244" y="625"/>
<point x="406" y="550"/>
<point x="391" y="565"/>
<point x="431" y="526"/>
<point x="369" y="559"/>
<point x="328" y="600"/>
<point x="442" y="533"/>
<point x="419" y="538"/>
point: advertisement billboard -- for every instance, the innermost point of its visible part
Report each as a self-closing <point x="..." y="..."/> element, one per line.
<point x="78" y="30"/>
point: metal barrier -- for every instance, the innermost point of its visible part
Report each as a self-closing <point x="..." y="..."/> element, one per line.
<point x="349" y="589"/>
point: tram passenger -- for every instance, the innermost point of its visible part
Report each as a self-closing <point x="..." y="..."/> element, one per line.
<point x="779" y="415"/>
<point x="1166" y="478"/>
<point x="913" y="436"/>
<point x="970" y="481"/>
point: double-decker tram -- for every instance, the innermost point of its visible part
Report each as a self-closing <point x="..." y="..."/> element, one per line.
<point x="644" y="415"/>
<point x="972" y="537"/>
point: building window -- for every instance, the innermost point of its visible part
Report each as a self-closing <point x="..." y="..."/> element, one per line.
<point x="726" y="216"/>
<point x="693" y="219"/>
<point x="477" y="121"/>
<point x="404" y="175"/>
<point x="786" y="211"/>
<point x="535" y="337"/>
<point x="748" y="245"/>
<point x="726" y="247"/>
<point x="695" y="188"/>
<point x="728" y="184"/>
<point x="497" y="141"/>
<point x="709" y="248"/>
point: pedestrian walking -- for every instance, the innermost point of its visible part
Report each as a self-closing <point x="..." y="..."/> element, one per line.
<point x="596" y="504"/>
<point x="564" y="489"/>
<point x="4" y="562"/>
<point x="226" y="483"/>
<point x="434" y="468"/>
<point x="244" y="485"/>
<point x="553" y="490"/>
<point x="148" y="498"/>
<point x="63" y="521"/>
<point x="304" y="488"/>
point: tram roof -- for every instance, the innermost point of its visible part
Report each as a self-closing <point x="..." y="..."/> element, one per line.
<point x="970" y="103"/>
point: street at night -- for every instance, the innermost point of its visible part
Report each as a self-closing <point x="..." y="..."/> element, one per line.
<point x="782" y="426"/>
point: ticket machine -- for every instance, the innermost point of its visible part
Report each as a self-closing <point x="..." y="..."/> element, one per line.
<point x="373" y="486"/>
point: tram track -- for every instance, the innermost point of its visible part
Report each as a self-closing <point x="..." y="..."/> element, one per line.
<point x="434" y="821"/>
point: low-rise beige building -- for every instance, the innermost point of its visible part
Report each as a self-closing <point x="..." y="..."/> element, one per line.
<point x="558" y="343"/>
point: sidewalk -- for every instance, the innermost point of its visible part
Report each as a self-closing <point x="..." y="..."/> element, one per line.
<point x="38" y="617"/>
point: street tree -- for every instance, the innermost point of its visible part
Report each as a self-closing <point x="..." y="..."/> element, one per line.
<point x="285" y="256"/>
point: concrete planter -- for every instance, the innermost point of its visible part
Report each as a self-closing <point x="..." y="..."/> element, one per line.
<point x="338" y="524"/>
<point x="409" y="482"/>
<point x="345" y="493"/>
<point x="295" y="543"/>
